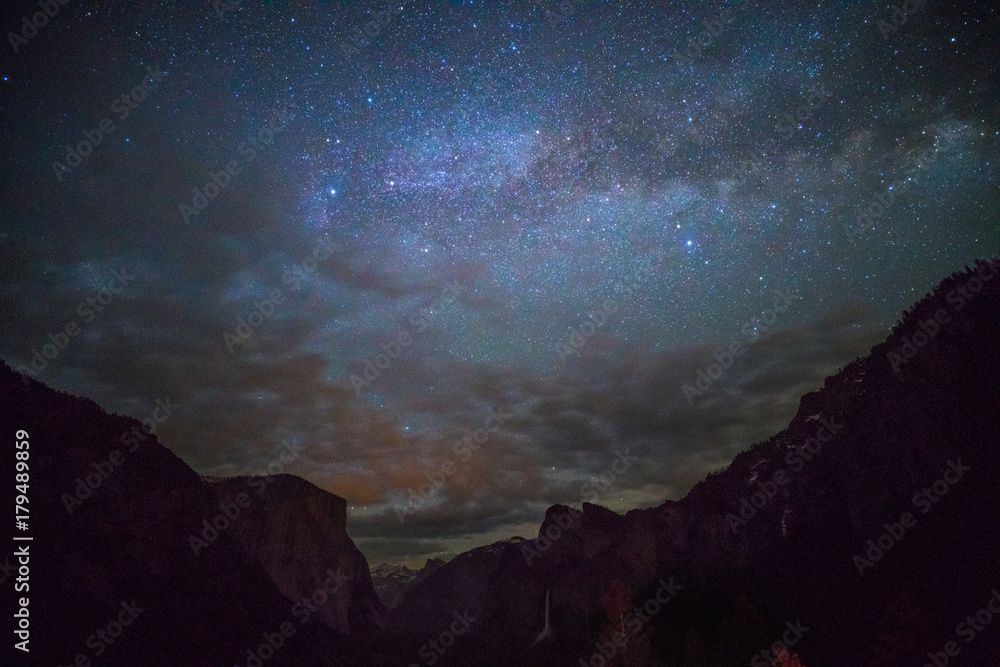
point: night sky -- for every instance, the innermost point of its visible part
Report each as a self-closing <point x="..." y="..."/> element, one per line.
<point x="551" y="223"/>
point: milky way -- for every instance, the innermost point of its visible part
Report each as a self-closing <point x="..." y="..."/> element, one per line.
<point x="483" y="244"/>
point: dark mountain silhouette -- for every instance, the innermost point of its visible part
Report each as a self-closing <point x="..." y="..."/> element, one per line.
<point x="130" y="540"/>
<point x="392" y="582"/>
<point x="893" y="434"/>
<point x="782" y="545"/>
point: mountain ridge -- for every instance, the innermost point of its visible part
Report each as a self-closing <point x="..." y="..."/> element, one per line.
<point x="878" y="437"/>
<point x="114" y="526"/>
<point x="789" y="535"/>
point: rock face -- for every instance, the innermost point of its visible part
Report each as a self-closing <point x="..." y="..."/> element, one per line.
<point x="456" y="586"/>
<point x="299" y="523"/>
<point x="865" y="532"/>
<point x="392" y="582"/>
<point x="873" y="520"/>
<point x="133" y="541"/>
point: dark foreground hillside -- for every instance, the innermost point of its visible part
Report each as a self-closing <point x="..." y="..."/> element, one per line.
<point x="866" y="533"/>
<point x="151" y="548"/>
<point x="856" y="458"/>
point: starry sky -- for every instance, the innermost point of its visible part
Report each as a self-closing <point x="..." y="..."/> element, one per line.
<point x="550" y="221"/>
